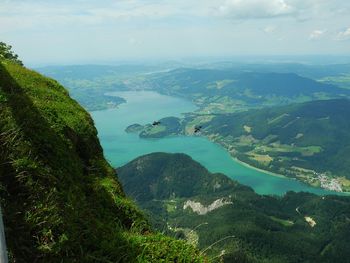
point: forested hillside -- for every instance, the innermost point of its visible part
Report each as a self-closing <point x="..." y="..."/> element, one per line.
<point x="309" y="141"/>
<point x="231" y="222"/>
<point x="239" y="89"/>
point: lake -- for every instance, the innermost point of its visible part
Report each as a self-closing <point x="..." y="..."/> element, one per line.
<point x="147" y="106"/>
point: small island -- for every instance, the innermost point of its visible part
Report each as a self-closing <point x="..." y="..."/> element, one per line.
<point x="133" y="128"/>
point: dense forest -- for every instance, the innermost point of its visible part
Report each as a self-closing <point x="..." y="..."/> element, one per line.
<point x="230" y="221"/>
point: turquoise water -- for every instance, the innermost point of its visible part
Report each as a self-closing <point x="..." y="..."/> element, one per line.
<point x="145" y="107"/>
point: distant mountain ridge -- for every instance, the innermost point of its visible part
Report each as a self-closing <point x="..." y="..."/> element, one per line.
<point x="252" y="88"/>
<point x="238" y="86"/>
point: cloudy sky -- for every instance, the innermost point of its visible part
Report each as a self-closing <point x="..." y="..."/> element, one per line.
<point x="84" y="31"/>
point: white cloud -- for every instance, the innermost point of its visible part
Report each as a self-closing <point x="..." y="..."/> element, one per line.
<point x="31" y="14"/>
<point x="317" y="34"/>
<point x="36" y="13"/>
<point x="343" y="35"/>
<point x="139" y="28"/>
<point x="240" y="9"/>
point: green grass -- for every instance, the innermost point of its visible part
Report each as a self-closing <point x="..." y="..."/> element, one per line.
<point x="60" y="198"/>
<point x="284" y="148"/>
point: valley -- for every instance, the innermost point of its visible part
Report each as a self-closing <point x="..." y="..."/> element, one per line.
<point x="233" y="106"/>
<point x="175" y="131"/>
<point x="144" y="107"/>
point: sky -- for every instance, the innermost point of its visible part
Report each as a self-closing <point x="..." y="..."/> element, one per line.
<point x="86" y="31"/>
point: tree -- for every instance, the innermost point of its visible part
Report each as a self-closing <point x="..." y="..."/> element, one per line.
<point x="7" y="53"/>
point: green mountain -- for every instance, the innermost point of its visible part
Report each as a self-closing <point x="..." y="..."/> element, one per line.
<point x="166" y="176"/>
<point x="60" y="199"/>
<point x="237" y="90"/>
<point x="229" y="221"/>
<point x="309" y="141"/>
<point x="233" y="83"/>
<point x="233" y="86"/>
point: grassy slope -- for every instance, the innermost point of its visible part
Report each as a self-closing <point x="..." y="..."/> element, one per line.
<point x="266" y="228"/>
<point x="60" y="198"/>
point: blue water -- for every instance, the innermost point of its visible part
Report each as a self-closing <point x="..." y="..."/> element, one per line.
<point x="144" y="107"/>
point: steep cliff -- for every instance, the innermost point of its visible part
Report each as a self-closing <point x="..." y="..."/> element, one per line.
<point x="60" y="199"/>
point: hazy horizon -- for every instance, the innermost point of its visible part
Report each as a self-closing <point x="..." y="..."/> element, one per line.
<point x="108" y="32"/>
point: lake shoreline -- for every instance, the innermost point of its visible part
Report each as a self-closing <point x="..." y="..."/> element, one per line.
<point x="261" y="170"/>
<point x="271" y="173"/>
<point x="145" y="107"/>
<point x="243" y="163"/>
